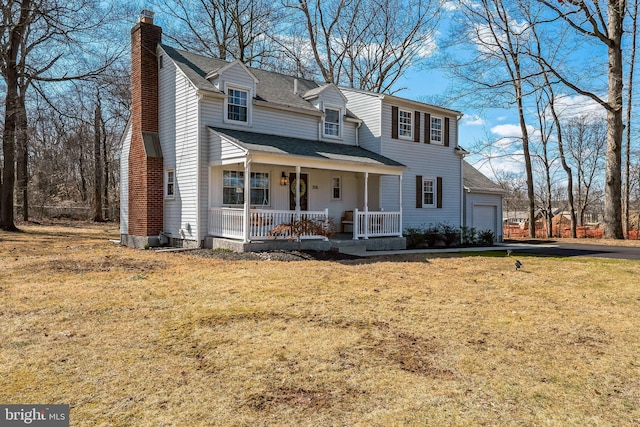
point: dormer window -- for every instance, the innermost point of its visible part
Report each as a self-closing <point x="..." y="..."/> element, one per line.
<point x="237" y="104"/>
<point x="332" y="122"/>
<point x="237" y="107"/>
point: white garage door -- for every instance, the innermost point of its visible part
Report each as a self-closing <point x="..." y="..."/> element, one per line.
<point x="484" y="218"/>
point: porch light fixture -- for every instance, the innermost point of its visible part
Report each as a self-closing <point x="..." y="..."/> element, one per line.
<point x="283" y="179"/>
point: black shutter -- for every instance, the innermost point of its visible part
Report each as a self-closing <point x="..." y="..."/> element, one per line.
<point x="416" y="131"/>
<point x="439" y="185"/>
<point x="418" y="191"/>
<point x="446" y="131"/>
<point x="394" y="122"/>
<point x="427" y="128"/>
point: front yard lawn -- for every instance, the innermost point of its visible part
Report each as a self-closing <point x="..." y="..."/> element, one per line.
<point x="140" y="338"/>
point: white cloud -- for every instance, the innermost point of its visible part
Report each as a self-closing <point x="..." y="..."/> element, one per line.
<point x="509" y="131"/>
<point x="450" y="6"/>
<point x="569" y="107"/>
<point x="473" y="120"/>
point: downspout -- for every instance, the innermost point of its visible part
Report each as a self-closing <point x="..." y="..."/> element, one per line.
<point x="462" y="204"/>
<point x="358" y="133"/>
<point x="198" y="183"/>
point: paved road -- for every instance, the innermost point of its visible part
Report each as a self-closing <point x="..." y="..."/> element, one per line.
<point x="559" y="249"/>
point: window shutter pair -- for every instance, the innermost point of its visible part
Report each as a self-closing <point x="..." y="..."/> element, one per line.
<point x="419" y="192"/>
<point x="415" y="123"/>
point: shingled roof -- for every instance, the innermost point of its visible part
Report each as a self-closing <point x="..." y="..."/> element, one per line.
<point x="476" y="182"/>
<point x="273" y="144"/>
<point x="273" y="88"/>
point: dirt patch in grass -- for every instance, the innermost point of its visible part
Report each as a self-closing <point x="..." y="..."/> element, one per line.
<point x="413" y="354"/>
<point x="297" y="398"/>
<point x="107" y="263"/>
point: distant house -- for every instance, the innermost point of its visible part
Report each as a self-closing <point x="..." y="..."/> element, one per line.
<point x="217" y="150"/>
<point x="482" y="202"/>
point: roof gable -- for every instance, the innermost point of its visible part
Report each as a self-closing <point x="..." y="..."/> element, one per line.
<point x="320" y="90"/>
<point x="237" y="63"/>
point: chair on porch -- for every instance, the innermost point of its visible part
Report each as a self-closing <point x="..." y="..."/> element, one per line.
<point x="347" y="219"/>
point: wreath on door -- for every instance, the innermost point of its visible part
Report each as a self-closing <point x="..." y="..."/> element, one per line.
<point x="303" y="187"/>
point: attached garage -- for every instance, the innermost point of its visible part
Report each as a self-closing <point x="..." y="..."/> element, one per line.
<point x="482" y="202"/>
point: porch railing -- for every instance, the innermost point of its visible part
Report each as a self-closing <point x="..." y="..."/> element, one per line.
<point x="264" y="224"/>
<point x="376" y="224"/>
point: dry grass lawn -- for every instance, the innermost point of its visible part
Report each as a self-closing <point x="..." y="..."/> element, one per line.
<point x="137" y="338"/>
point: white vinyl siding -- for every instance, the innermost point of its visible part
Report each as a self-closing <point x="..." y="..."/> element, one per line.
<point x="178" y="121"/>
<point x="368" y="109"/>
<point x="124" y="180"/>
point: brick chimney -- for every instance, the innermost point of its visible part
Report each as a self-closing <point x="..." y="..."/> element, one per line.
<point x="145" y="156"/>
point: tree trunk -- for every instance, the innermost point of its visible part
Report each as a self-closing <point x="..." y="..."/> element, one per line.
<point x="8" y="151"/>
<point x="613" y="184"/>
<point x="22" y="157"/>
<point x="11" y="120"/>
<point x="97" y="156"/>
<point x="527" y="164"/>
<point x="627" y="163"/>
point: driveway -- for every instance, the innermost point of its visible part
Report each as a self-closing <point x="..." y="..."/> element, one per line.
<point x="560" y="249"/>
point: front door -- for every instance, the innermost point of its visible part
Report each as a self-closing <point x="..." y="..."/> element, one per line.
<point x="304" y="204"/>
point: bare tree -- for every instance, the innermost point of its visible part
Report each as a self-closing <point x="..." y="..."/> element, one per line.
<point x="627" y="164"/>
<point x="225" y="29"/>
<point x="498" y="66"/>
<point x="546" y="158"/>
<point x="367" y="44"/>
<point x="590" y="20"/>
<point x="97" y="161"/>
<point x="586" y="142"/>
<point x="35" y="35"/>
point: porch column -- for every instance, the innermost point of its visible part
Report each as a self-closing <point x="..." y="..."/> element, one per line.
<point x="400" y="200"/>
<point x="298" y="192"/>
<point x="366" y="205"/>
<point x="247" y="200"/>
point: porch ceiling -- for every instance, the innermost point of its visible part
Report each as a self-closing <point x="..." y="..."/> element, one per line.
<point x="274" y="145"/>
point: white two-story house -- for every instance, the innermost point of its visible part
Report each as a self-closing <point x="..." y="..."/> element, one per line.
<point x="217" y="150"/>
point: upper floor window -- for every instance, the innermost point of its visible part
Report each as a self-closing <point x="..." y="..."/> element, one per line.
<point x="237" y="105"/>
<point x="331" y="122"/>
<point x="436" y="130"/>
<point x="405" y="124"/>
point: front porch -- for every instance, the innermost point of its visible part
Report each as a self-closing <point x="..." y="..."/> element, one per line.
<point x="270" y="229"/>
<point x="280" y="191"/>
